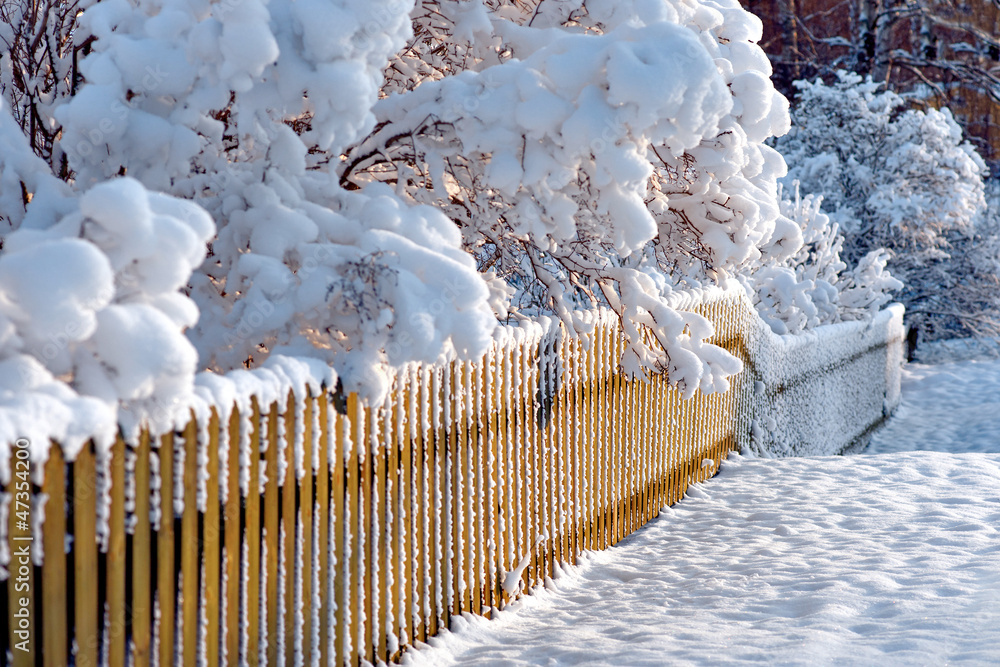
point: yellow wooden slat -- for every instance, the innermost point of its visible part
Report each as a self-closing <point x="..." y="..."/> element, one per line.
<point x="272" y="533"/>
<point x="404" y="433"/>
<point x="621" y="441"/>
<point x="54" y="612"/>
<point x="421" y="506"/>
<point x="397" y="494"/>
<point x="211" y="568"/>
<point x="646" y="430"/>
<point x="593" y="442"/>
<point x="660" y="416"/>
<point x="190" y="546"/>
<point x="289" y="516"/>
<point x="370" y="548"/>
<point x="576" y="477"/>
<point x="554" y="461"/>
<point x="252" y="536"/>
<point x="166" y="580"/>
<point x="492" y="381"/>
<point x="116" y="567"/>
<point x="532" y="436"/>
<point x="562" y="451"/>
<point x="653" y="440"/>
<point x="142" y="599"/>
<point x="353" y="596"/>
<point x="505" y="473"/>
<point x="634" y="456"/>
<point x="304" y="569"/>
<point x="341" y="579"/>
<point x="231" y="538"/>
<point x="453" y="505"/>
<point x="601" y="418"/>
<point x="479" y="521"/>
<point x="380" y="547"/>
<point x="322" y="546"/>
<point x="438" y="449"/>
<point x="522" y="451"/>
<point x="581" y="426"/>
<point x="468" y="449"/>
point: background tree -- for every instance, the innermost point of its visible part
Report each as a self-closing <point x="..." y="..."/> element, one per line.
<point x="905" y="181"/>
<point x="935" y="53"/>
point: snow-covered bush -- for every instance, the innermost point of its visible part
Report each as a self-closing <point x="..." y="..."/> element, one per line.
<point x="383" y="186"/>
<point x="89" y="284"/>
<point x="591" y="153"/>
<point x="900" y="180"/>
<point x="812" y="286"/>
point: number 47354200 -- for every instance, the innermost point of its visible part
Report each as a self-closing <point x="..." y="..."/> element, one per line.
<point x="22" y="482"/>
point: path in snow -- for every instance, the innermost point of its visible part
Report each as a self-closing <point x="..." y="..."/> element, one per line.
<point x="949" y="407"/>
<point x="891" y="559"/>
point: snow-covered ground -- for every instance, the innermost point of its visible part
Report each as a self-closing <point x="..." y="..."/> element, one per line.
<point x="889" y="559"/>
<point x="951" y="407"/>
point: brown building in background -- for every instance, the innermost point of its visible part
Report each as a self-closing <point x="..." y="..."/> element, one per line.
<point x="934" y="53"/>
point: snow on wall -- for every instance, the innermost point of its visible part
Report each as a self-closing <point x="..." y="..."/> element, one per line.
<point x="822" y="392"/>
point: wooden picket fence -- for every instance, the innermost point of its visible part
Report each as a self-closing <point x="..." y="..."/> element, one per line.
<point x="370" y="527"/>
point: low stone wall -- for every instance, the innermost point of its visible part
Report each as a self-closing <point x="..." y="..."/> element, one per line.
<point x="826" y="391"/>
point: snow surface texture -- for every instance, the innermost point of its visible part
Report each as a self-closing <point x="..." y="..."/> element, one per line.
<point x="957" y="349"/>
<point x="844" y="560"/>
<point x="823" y="391"/>
<point x="951" y="407"/>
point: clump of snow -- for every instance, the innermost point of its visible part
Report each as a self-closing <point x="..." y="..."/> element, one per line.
<point x="590" y="158"/>
<point x="90" y="310"/>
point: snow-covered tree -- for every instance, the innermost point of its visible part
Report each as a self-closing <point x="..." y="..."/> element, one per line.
<point x="591" y="153"/>
<point x="900" y="180"/>
<point x="383" y="185"/>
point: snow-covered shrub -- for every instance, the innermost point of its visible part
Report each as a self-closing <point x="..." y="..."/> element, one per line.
<point x="385" y="186"/>
<point x="812" y="286"/>
<point x="590" y="153"/>
<point x="89" y="284"/>
<point x="900" y="180"/>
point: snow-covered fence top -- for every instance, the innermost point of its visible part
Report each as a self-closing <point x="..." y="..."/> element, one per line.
<point x="285" y="520"/>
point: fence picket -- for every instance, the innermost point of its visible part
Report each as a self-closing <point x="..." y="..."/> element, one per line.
<point x="304" y="562"/>
<point x="321" y="547"/>
<point x="189" y="552"/>
<point x="271" y="535"/>
<point x="210" y="536"/>
<point x="55" y="640"/>
<point x="232" y="534"/>
<point x="142" y="601"/>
